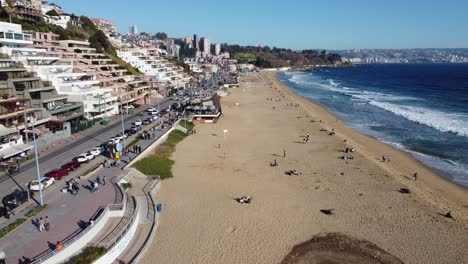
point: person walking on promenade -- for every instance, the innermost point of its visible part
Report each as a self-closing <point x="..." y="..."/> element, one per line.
<point x="58" y="246"/>
<point x="284" y="153"/>
<point x="139" y="149"/>
<point x="105" y="163"/>
<point x="98" y="179"/>
<point x="41" y="223"/>
<point x="46" y="224"/>
<point x="103" y="180"/>
<point x="2" y="257"/>
<point x="95" y="186"/>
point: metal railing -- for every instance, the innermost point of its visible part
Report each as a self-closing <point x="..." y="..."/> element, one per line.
<point x="71" y="238"/>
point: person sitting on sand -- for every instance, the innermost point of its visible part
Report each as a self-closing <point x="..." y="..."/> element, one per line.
<point x="415" y="176"/>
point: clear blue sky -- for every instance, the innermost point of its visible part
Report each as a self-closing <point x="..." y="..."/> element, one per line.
<point x="295" y="24"/>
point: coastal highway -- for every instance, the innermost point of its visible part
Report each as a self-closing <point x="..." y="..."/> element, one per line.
<point x="66" y="152"/>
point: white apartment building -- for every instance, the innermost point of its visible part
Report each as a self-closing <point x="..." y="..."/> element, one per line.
<point x="156" y="66"/>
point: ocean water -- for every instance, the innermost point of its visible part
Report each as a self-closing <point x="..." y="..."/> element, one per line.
<point x="418" y="108"/>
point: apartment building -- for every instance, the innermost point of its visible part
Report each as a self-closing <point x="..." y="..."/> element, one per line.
<point x="148" y="62"/>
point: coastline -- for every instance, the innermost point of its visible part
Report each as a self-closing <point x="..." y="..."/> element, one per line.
<point x="437" y="186"/>
<point x="202" y="223"/>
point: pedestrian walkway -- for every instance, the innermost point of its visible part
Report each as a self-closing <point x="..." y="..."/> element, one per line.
<point x="68" y="215"/>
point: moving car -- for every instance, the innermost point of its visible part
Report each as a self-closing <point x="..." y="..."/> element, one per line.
<point x="45" y="182"/>
<point x="57" y="173"/>
<point x="15" y="199"/>
<point x="73" y="165"/>
<point x="85" y="157"/>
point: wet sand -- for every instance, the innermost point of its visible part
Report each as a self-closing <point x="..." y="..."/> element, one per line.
<point x="202" y="223"/>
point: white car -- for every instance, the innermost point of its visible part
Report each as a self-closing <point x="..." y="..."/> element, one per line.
<point x="128" y="107"/>
<point x="151" y="109"/>
<point x="137" y="123"/>
<point x="45" y="182"/>
<point x="119" y="136"/>
<point x="114" y="140"/>
<point x="85" y="157"/>
<point x="97" y="151"/>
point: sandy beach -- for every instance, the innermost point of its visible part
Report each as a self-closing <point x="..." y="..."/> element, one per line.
<point x="202" y="223"/>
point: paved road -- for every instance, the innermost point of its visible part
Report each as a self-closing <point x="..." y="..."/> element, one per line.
<point x="64" y="153"/>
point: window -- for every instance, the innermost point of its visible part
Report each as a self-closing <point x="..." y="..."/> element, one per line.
<point x="18" y="36"/>
<point x="9" y="35"/>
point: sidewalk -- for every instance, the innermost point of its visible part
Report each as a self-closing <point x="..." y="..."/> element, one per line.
<point x="66" y="213"/>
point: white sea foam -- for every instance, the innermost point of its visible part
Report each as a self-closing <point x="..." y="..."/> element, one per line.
<point x="446" y="122"/>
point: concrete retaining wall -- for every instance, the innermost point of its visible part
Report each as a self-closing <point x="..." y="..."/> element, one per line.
<point x="115" y="251"/>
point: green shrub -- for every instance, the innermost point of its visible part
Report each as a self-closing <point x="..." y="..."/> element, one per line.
<point x="88" y="255"/>
<point x="126" y="185"/>
<point x="35" y="210"/>
<point x="4" y="231"/>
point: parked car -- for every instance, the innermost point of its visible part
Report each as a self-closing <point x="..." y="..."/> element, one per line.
<point x="15" y="199"/>
<point x="151" y="109"/>
<point x="97" y="151"/>
<point x="128" y="106"/>
<point x="147" y="121"/>
<point x="137" y="123"/>
<point x="85" y="157"/>
<point x="57" y="173"/>
<point x="114" y="140"/>
<point x="135" y="128"/>
<point x="129" y="132"/>
<point x="45" y="182"/>
<point x="73" y="165"/>
<point x="119" y="136"/>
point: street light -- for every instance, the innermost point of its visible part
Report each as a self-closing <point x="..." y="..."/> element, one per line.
<point x="37" y="162"/>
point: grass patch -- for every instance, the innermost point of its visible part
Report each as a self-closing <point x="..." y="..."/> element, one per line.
<point x="89" y="255"/>
<point x="155" y="166"/>
<point x="4" y="231"/>
<point x="36" y="210"/>
<point x="186" y="124"/>
<point x="159" y="163"/>
<point x="175" y="137"/>
<point x="126" y="185"/>
<point x="134" y="142"/>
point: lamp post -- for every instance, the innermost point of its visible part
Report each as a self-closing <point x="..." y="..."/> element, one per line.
<point x="121" y="117"/>
<point x="38" y="171"/>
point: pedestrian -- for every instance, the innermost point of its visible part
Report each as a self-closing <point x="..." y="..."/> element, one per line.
<point x="41" y="224"/>
<point x="46" y="224"/>
<point x="153" y="135"/>
<point x="105" y="163"/>
<point x="2" y="257"/>
<point x="284" y="153"/>
<point x="95" y="187"/>
<point x="139" y="149"/>
<point x="103" y="180"/>
<point x="98" y="180"/>
<point x="58" y="246"/>
<point x="415" y="176"/>
<point x="76" y="188"/>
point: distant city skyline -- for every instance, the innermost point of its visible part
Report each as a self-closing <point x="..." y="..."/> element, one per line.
<point x="301" y="24"/>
